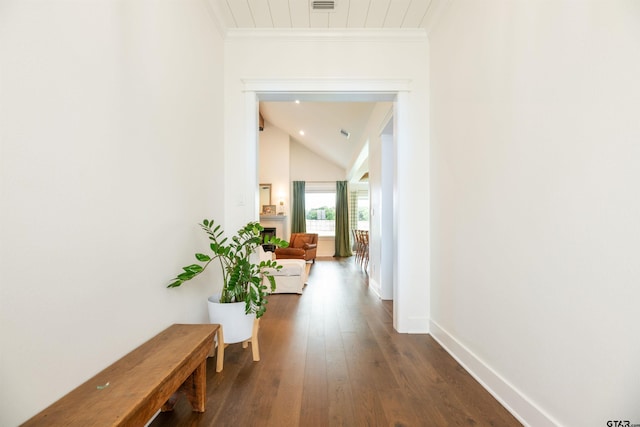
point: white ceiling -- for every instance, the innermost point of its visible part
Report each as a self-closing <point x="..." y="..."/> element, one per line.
<point x="321" y="123"/>
<point x="396" y="14"/>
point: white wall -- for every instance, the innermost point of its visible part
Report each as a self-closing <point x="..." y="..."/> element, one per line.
<point x="308" y="166"/>
<point x="273" y="164"/>
<point x="300" y="56"/>
<point x="387" y="172"/>
<point x="110" y="116"/>
<point x="380" y="199"/>
<point x="536" y="212"/>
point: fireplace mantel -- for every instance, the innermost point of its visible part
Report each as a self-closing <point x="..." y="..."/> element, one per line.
<point x="279" y="222"/>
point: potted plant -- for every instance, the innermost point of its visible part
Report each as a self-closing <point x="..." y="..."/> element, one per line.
<point x="243" y="291"/>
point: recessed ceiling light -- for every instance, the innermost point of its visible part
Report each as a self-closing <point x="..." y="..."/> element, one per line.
<point x="297" y="101"/>
<point x="301" y="132"/>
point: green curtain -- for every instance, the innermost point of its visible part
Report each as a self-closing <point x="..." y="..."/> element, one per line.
<point x="343" y="246"/>
<point x="298" y="220"/>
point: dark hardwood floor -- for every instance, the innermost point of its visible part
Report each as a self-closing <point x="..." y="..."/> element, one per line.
<point x="330" y="357"/>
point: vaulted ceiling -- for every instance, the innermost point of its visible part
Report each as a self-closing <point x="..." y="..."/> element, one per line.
<point x="321" y="126"/>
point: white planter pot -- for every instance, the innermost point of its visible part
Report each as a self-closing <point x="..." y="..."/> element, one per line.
<point x="236" y="325"/>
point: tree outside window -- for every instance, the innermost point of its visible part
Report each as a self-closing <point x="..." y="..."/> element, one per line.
<point x="320" y="213"/>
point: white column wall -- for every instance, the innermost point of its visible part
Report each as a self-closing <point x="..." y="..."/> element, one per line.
<point x="387" y="172"/>
<point x="375" y="211"/>
<point x="110" y="130"/>
<point x="300" y="56"/>
<point x="536" y="211"/>
<point x="380" y="201"/>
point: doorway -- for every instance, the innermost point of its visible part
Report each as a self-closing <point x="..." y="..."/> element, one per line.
<point x="369" y="91"/>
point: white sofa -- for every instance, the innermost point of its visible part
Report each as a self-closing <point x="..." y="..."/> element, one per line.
<point x="291" y="278"/>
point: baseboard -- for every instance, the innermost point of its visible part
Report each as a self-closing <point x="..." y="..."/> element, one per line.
<point x="413" y="325"/>
<point x="513" y="400"/>
<point x="375" y="287"/>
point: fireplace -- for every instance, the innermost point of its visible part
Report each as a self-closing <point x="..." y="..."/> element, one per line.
<point x="279" y="222"/>
<point x="271" y="232"/>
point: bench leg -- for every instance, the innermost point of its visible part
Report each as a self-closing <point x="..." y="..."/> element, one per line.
<point x="169" y="404"/>
<point x="194" y="387"/>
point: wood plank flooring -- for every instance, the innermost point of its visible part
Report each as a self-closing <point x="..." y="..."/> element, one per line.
<point x="331" y="357"/>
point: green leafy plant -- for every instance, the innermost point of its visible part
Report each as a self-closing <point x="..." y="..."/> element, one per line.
<point x="242" y="278"/>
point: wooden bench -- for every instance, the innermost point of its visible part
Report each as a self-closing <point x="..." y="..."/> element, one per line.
<point x="131" y="390"/>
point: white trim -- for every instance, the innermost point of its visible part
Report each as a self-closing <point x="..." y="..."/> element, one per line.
<point x="526" y="411"/>
<point x="320" y="187"/>
<point x="416" y="324"/>
<point x="332" y="88"/>
<point x="376" y="88"/>
<point x="364" y="35"/>
<point x="375" y="287"/>
<point x="388" y="124"/>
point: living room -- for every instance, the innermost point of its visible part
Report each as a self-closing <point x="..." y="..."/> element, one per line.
<point x="298" y="153"/>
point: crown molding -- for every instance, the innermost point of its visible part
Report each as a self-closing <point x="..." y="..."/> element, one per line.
<point x="413" y="35"/>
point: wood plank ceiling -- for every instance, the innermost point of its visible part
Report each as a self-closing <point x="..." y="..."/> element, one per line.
<point x="409" y="14"/>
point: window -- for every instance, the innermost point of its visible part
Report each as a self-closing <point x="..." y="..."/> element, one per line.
<point x="363" y="210"/>
<point x="359" y="209"/>
<point x="320" y="208"/>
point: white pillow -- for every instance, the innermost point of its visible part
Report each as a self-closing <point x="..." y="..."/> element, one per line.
<point x="265" y="256"/>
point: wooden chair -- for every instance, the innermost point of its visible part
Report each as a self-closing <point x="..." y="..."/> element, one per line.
<point x="357" y="244"/>
<point x="365" y="248"/>
<point x="362" y="247"/>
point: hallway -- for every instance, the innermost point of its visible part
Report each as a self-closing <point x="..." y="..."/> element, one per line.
<point x="330" y="357"/>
